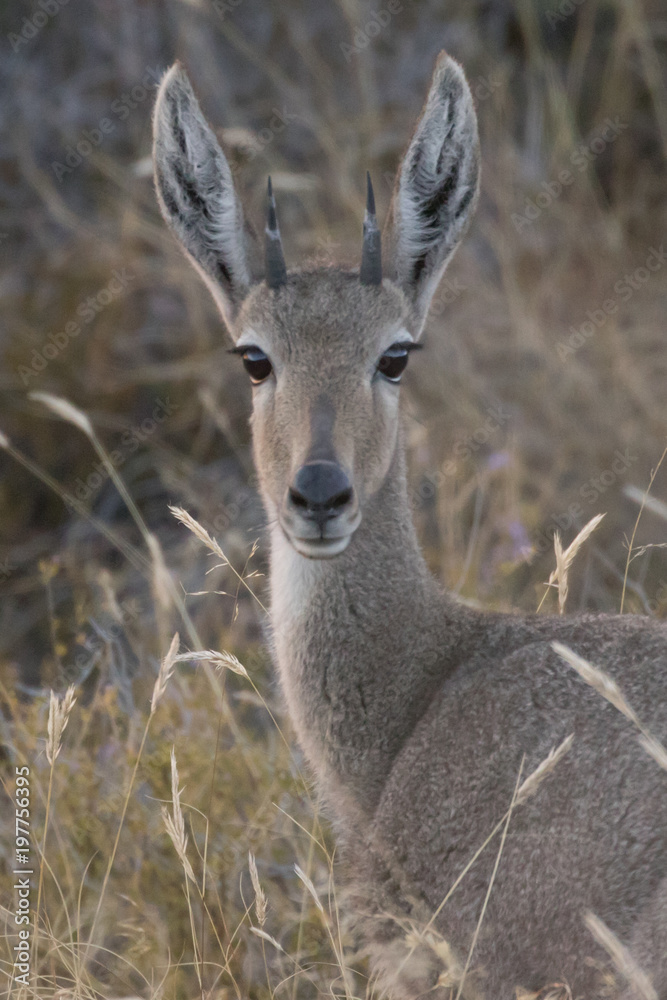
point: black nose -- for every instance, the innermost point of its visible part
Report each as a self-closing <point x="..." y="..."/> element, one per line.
<point x="320" y="490"/>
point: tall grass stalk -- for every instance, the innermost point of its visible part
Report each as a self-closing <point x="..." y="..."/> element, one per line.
<point x="654" y="473"/>
<point x="610" y="691"/>
<point x="559" y="577"/>
<point x="164" y="589"/>
<point x="59" y="713"/>
<point x="501" y="847"/>
<point x="525" y="790"/>
<point x="164" y="673"/>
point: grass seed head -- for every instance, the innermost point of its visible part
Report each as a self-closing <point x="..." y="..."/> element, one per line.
<point x="59" y="712"/>
<point x="260" y="895"/>
<point x="174" y="823"/>
<point x="219" y="660"/>
<point x="198" y="530"/>
<point x="309" y="886"/>
<point x="565" y="558"/>
<point x="165" y="672"/>
<point x="598" y="680"/>
<point x="161" y="578"/>
<point x="534" y="780"/>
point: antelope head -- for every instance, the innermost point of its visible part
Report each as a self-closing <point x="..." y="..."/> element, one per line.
<point x="325" y="348"/>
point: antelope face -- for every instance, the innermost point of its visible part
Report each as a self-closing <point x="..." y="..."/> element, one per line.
<point x="325" y="355"/>
<point x="325" y="350"/>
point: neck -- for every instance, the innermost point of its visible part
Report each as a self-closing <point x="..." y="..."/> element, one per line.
<point x="358" y="644"/>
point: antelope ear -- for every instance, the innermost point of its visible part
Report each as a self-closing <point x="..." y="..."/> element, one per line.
<point x="436" y="189"/>
<point x="195" y="190"/>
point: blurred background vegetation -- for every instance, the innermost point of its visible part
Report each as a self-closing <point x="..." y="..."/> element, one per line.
<point x="540" y="401"/>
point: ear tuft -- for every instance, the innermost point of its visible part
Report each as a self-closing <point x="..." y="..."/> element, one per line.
<point x="436" y="188"/>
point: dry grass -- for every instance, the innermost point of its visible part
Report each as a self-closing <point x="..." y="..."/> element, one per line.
<point x="609" y="689"/>
<point x="516" y="431"/>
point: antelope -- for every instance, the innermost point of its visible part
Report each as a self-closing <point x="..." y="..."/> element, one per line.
<point x="414" y="711"/>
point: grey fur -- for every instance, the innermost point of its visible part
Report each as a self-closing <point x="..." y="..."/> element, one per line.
<point x="436" y="188"/>
<point x="414" y="711"/>
<point x="196" y="193"/>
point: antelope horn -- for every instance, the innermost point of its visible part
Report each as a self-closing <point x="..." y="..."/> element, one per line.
<point x="371" y="253"/>
<point x="276" y="272"/>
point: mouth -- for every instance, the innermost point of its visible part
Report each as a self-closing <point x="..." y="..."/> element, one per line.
<point x="320" y="542"/>
<point x="323" y="540"/>
<point x="319" y="548"/>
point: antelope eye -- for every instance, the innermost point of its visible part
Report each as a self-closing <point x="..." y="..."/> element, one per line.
<point x="393" y="362"/>
<point x="256" y="364"/>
